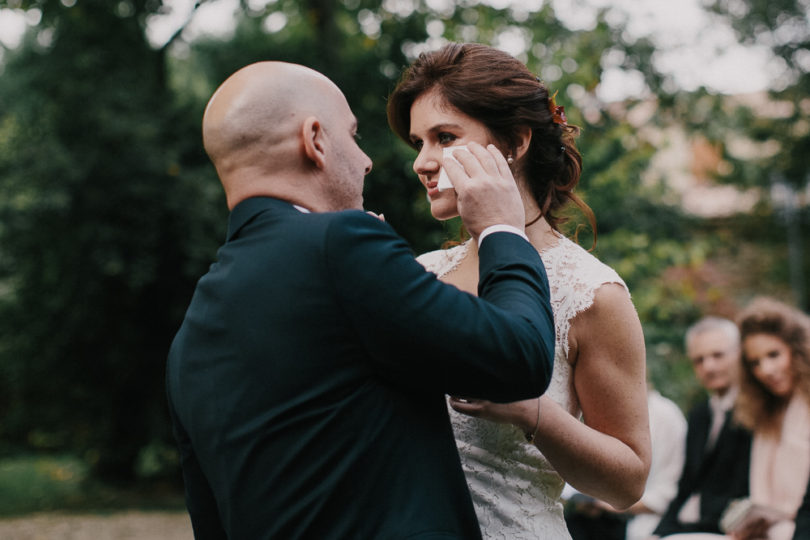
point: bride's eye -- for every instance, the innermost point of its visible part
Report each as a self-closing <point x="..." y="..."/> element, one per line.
<point x="446" y="138"/>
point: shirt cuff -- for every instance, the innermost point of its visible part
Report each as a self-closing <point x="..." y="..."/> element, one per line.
<point x="500" y="228"/>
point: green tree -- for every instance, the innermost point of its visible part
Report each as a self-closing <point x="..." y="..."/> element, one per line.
<point x="103" y="224"/>
<point x="110" y="210"/>
<point x="776" y="159"/>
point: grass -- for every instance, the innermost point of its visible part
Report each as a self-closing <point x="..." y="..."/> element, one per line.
<point x="41" y="484"/>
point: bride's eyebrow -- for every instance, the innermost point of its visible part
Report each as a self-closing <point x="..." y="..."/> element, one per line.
<point x="443" y="127"/>
<point x="437" y="128"/>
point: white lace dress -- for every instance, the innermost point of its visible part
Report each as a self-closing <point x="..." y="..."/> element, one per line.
<point x="515" y="489"/>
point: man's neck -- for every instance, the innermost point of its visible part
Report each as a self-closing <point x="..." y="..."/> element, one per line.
<point x="725" y="398"/>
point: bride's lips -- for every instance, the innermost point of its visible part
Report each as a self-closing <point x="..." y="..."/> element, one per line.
<point x="432" y="189"/>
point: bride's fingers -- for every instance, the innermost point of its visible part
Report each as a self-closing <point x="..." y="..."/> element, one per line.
<point x="466" y="406"/>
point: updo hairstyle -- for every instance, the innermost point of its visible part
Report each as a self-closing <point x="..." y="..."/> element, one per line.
<point x="499" y="91"/>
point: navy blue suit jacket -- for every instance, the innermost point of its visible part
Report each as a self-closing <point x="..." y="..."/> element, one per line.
<point x="307" y="380"/>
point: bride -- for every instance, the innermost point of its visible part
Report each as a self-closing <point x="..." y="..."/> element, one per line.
<point x="518" y="456"/>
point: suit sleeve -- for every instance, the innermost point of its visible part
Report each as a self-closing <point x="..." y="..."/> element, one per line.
<point x="200" y="501"/>
<point x="430" y="336"/>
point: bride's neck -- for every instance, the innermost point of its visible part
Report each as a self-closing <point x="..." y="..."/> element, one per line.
<point x="539" y="231"/>
<point x="540" y="235"/>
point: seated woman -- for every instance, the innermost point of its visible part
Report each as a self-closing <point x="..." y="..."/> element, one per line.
<point x="774" y="402"/>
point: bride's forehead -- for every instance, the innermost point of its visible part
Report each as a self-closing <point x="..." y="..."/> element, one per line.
<point x="434" y="99"/>
<point x="432" y="109"/>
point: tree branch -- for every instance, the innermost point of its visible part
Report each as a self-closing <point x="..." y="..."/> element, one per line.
<point x="183" y="26"/>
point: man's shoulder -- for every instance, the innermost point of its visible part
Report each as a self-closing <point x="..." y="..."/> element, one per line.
<point x="351" y="217"/>
<point x="333" y="233"/>
<point x="342" y="222"/>
<point x="351" y="240"/>
<point x="352" y="225"/>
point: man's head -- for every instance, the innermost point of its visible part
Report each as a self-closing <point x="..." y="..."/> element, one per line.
<point x="284" y="130"/>
<point x="713" y="346"/>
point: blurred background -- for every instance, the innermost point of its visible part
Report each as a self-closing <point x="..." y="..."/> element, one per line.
<point x="695" y="139"/>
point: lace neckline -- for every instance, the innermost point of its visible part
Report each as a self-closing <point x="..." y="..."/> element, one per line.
<point x="457" y="253"/>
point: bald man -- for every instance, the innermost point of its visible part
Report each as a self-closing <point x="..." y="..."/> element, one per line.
<point x="306" y="383"/>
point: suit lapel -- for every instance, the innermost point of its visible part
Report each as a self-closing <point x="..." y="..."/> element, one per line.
<point x="706" y="457"/>
<point x="710" y="456"/>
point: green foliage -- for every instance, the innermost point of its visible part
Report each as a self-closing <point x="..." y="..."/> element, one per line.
<point x="42" y="483"/>
<point x="29" y="484"/>
<point x="101" y="193"/>
<point x="777" y="133"/>
<point x="110" y="210"/>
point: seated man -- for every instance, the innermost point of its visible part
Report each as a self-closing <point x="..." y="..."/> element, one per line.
<point x="717" y="451"/>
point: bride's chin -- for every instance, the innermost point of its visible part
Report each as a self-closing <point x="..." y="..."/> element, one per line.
<point x="443" y="212"/>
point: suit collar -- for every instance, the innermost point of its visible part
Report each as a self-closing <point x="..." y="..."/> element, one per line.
<point x="245" y="211"/>
<point x="722" y="404"/>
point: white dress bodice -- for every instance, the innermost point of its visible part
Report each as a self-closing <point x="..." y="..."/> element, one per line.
<point x="515" y="489"/>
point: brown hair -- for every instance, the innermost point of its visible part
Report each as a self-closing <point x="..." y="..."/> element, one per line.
<point x="499" y="91"/>
<point x="755" y="403"/>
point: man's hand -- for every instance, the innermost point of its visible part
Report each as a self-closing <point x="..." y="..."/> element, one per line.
<point x="487" y="193"/>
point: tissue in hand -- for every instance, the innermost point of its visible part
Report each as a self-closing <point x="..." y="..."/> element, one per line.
<point x="444" y="181"/>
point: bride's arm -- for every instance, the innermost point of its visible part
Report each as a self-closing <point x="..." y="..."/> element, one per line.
<point x="608" y="456"/>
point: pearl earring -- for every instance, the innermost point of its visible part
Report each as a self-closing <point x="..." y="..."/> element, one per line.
<point x="510" y="159"/>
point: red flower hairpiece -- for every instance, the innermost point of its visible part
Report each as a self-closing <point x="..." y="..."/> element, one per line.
<point x="557" y="111"/>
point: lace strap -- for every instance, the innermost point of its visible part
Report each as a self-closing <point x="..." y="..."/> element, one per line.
<point x="442" y="261"/>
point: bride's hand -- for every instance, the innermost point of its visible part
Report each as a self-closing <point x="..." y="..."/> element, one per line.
<point x="522" y="414"/>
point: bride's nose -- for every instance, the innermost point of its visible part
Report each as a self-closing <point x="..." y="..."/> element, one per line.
<point x="426" y="163"/>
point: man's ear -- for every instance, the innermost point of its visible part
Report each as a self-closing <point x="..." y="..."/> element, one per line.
<point x="314" y="141"/>
<point x="524" y="140"/>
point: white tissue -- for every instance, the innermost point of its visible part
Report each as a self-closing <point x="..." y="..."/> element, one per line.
<point x="444" y="181"/>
